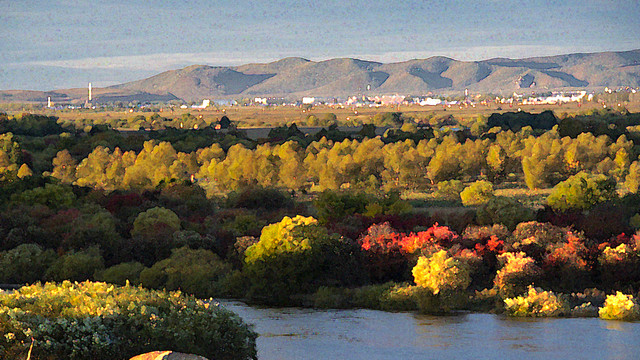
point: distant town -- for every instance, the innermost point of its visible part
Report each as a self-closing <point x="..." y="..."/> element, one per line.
<point x="620" y="95"/>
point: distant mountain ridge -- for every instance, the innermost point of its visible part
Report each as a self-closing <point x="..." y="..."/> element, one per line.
<point x="296" y="77"/>
<point x="347" y="76"/>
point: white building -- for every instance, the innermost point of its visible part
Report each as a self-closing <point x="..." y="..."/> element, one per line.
<point x="430" y="102"/>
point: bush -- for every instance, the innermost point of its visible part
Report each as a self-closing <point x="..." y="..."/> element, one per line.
<point x="503" y="210"/>
<point x="76" y="266"/>
<point x="389" y="254"/>
<point x="334" y="206"/>
<point x="155" y="220"/>
<point x="259" y="198"/>
<point x="441" y="272"/>
<point x="296" y="256"/>
<point x="121" y="273"/>
<point x="582" y="191"/>
<point x="385" y="259"/>
<point x="619" y="267"/>
<point x="25" y="264"/>
<point x="53" y="196"/>
<point x="477" y="193"/>
<point x="537" y="303"/>
<point x="195" y="272"/>
<point x="101" y="322"/>
<point x="620" y="307"/>
<point x="449" y="190"/>
<point x="486" y="238"/>
<point x="534" y="238"/>
<point x="517" y="273"/>
<point x="566" y="267"/>
<point x="387" y="297"/>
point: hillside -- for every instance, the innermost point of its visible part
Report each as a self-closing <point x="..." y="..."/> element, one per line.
<point x="346" y="76"/>
<point x="296" y="77"/>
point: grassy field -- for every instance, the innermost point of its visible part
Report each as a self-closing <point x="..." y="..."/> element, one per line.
<point x="260" y="116"/>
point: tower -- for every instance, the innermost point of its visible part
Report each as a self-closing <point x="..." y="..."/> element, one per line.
<point x="89" y="92"/>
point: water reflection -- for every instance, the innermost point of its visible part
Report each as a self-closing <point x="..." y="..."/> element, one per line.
<point x="365" y="334"/>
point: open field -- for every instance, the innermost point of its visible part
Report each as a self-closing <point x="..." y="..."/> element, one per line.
<point x="260" y="116"/>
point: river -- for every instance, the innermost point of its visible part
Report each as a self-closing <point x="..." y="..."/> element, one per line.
<point x="294" y="333"/>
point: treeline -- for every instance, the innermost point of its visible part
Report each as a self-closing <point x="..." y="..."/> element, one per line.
<point x="413" y="158"/>
<point x="541" y="161"/>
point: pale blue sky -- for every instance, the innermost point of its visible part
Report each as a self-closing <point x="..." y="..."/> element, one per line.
<point x="65" y="43"/>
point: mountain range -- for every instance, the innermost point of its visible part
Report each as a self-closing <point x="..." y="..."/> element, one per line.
<point x="297" y="77"/>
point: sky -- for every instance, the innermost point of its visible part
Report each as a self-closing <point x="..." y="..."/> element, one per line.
<point x="56" y="44"/>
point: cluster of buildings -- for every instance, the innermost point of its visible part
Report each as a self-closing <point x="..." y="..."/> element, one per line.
<point x="466" y="100"/>
<point x="557" y="98"/>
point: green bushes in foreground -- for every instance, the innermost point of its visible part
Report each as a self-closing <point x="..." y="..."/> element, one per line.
<point x="102" y="322"/>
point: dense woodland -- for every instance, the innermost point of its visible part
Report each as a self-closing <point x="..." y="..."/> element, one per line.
<point x="324" y="219"/>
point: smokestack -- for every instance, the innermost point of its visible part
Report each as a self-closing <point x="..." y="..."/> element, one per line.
<point x="89" y="91"/>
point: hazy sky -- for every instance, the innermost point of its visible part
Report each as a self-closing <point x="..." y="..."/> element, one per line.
<point x="52" y="44"/>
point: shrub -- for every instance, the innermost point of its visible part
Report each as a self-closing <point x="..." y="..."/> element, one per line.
<point x="97" y="227"/>
<point x="192" y="271"/>
<point x="101" y="322"/>
<point x="121" y="273"/>
<point x="76" y="266"/>
<point x="282" y="237"/>
<point x="244" y="224"/>
<point x="51" y="195"/>
<point x="441" y="272"/>
<point x="620" y="307"/>
<point x="534" y="238"/>
<point x="259" y="198"/>
<point x="606" y="220"/>
<point x="477" y="193"/>
<point x="297" y="256"/>
<point x="369" y="296"/>
<point x="619" y="266"/>
<point x="384" y="258"/>
<point x="517" y="273"/>
<point x="449" y="190"/>
<point x="620" y="253"/>
<point x="25" y="264"/>
<point x="389" y="253"/>
<point x="503" y="210"/>
<point x="537" y="303"/>
<point x="146" y="223"/>
<point x="582" y="191"/>
<point x="388" y="297"/>
<point x="401" y="297"/>
<point x="484" y="239"/>
<point x="565" y="265"/>
<point x="333" y="205"/>
<point x="434" y="237"/>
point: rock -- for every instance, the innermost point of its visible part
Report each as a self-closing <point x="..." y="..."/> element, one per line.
<point x="167" y="355"/>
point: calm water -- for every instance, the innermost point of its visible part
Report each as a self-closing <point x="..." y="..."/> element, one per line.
<point x="293" y="333"/>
